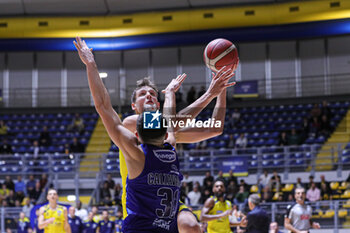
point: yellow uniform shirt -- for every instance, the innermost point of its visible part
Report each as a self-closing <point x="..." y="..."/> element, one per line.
<point x="124" y="174"/>
<point x="221" y="225"/>
<point x="58" y="225"/>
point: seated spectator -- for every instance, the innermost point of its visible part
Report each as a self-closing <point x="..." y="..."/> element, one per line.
<point x="11" y="199"/>
<point x="76" y="146"/>
<point x="205" y="195"/>
<point x="315" y="111"/>
<point x="9" y="183"/>
<point x="27" y="207"/>
<point x="4" y="192"/>
<point x="230" y="177"/>
<point x="275" y="181"/>
<point x="313" y="194"/>
<point x="325" y="110"/>
<point x="105" y="194"/>
<point x="325" y="189"/>
<point x="274" y="228"/>
<point x="43" y="181"/>
<point x="77" y="124"/>
<point x="20" y="186"/>
<point x="299" y="184"/>
<point x="325" y="128"/>
<point x="263" y="181"/>
<point x="311" y="180"/>
<point x="35" y="148"/>
<point x="110" y="181"/>
<point x="3" y="129"/>
<point x="294" y="138"/>
<point x="266" y="197"/>
<point x="242" y="141"/>
<point x="5" y="147"/>
<point x="30" y="184"/>
<point x="305" y="128"/>
<point x="35" y="194"/>
<point x="184" y="190"/>
<point x="208" y="180"/>
<point x="231" y="142"/>
<point x="118" y="194"/>
<point x="187" y="179"/>
<point x="194" y="196"/>
<point x="221" y="178"/>
<point x="45" y="138"/>
<point x="244" y="184"/>
<point x="231" y="190"/>
<point x="235" y="117"/>
<point x="283" y="141"/>
<point x="315" y="126"/>
<point x="241" y="198"/>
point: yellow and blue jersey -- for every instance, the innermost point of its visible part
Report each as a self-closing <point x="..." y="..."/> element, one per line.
<point x="221" y="225"/>
<point x="106" y="227"/>
<point x="58" y="225"/>
<point x="23" y="225"/>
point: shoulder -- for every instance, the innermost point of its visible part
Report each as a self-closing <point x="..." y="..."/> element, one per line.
<point x="290" y="208"/>
<point x="42" y="209"/>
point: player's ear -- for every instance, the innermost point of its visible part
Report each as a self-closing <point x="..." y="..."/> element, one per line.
<point x="166" y="136"/>
<point x="133" y="106"/>
<point x="137" y="134"/>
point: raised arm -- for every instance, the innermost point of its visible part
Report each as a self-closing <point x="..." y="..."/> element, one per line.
<point x="122" y="137"/>
<point x="208" y="205"/>
<point x="192" y="135"/>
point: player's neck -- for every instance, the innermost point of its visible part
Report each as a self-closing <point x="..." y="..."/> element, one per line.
<point x="53" y="205"/>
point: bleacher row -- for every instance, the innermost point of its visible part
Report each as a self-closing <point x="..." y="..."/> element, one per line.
<point x="25" y="128"/>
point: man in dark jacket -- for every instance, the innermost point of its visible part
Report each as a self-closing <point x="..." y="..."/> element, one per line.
<point x="257" y="220"/>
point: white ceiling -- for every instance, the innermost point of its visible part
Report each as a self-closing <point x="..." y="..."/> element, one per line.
<point x="103" y="7"/>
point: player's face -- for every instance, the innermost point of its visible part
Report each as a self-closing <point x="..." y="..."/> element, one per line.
<point x="146" y="100"/>
<point x="300" y="195"/>
<point x="52" y="195"/>
<point x="219" y="189"/>
<point x="72" y="211"/>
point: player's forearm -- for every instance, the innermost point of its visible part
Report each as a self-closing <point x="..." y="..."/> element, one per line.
<point x="43" y="224"/>
<point x="208" y="217"/>
<point x="98" y="90"/>
<point x="289" y="227"/>
<point x="67" y="228"/>
<point x="196" y="107"/>
<point x="220" y="110"/>
<point x="169" y="105"/>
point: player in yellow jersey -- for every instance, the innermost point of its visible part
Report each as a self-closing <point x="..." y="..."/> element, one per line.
<point x="53" y="217"/>
<point x="216" y="211"/>
<point x="145" y="96"/>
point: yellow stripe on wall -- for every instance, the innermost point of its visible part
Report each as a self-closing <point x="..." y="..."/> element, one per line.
<point x="174" y="21"/>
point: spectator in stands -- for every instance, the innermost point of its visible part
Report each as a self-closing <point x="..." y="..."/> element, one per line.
<point x="311" y="180"/>
<point x="275" y="181"/>
<point x="3" y="129"/>
<point x="274" y="228"/>
<point x="110" y="181"/>
<point x="290" y="197"/>
<point x="81" y="212"/>
<point x="11" y="199"/>
<point x="235" y="117"/>
<point x="315" y="126"/>
<point x="43" y="181"/>
<point x="20" y="186"/>
<point x="76" y="146"/>
<point x="244" y="184"/>
<point x="18" y="203"/>
<point x="45" y="138"/>
<point x="231" y="142"/>
<point x="266" y="197"/>
<point x="9" y="183"/>
<point x="77" y="124"/>
<point x="208" y="180"/>
<point x="325" y="128"/>
<point x="305" y="128"/>
<point x="263" y="181"/>
<point x="315" y="111"/>
<point x="4" y="192"/>
<point x="194" y="196"/>
<point x="30" y="184"/>
<point x="35" y="194"/>
<point x="325" y="110"/>
<point x="205" y="195"/>
<point x="231" y="190"/>
<point x="117" y="194"/>
<point x="283" y="141"/>
<point x="201" y="145"/>
<point x="299" y="184"/>
<point x="221" y="178"/>
<point x="325" y="189"/>
<point x="241" y="198"/>
<point x="23" y="224"/>
<point x="242" y="141"/>
<point x="313" y="194"/>
<point x="231" y="177"/>
<point x="184" y="190"/>
<point x="35" y="149"/>
<point x="105" y="194"/>
<point x="28" y="206"/>
<point x="75" y="223"/>
<point x="187" y="179"/>
<point x="5" y="147"/>
<point x="294" y="138"/>
<point x="191" y="95"/>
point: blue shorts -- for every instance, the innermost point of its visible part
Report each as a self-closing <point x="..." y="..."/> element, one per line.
<point x="137" y="224"/>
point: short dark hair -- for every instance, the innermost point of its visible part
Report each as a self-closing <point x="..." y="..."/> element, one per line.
<point x="143" y="83"/>
<point x="149" y="135"/>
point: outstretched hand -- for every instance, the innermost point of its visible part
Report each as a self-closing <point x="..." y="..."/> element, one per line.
<point x="85" y="53"/>
<point x="175" y="84"/>
<point x="220" y="82"/>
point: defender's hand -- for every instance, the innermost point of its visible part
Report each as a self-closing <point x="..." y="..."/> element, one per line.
<point x="85" y="53"/>
<point x="175" y="84"/>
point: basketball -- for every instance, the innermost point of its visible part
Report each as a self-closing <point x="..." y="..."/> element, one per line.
<point x="220" y="52"/>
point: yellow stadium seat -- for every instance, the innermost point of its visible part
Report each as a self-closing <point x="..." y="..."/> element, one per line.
<point x="346" y="194"/>
<point x="343" y="185"/>
<point x="347" y="204"/>
<point x="276" y="195"/>
<point x="342" y="213"/>
<point x="254" y="189"/>
<point x="328" y="214"/>
<point x="334" y="185"/>
<point x="318" y="214"/>
<point x="288" y="188"/>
